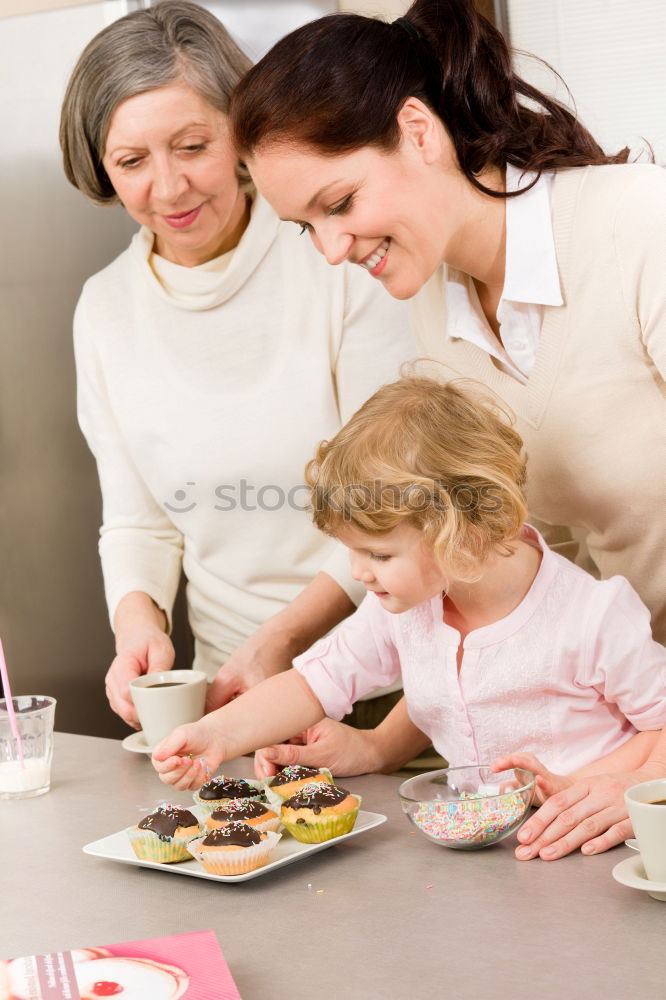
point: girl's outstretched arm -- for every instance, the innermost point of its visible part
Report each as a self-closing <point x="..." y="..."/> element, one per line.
<point x="274" y="710"/>
<point x="321" y="606"/>
<point x="347" y="751"/>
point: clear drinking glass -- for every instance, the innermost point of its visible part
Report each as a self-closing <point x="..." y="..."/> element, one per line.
<point x="34" y="720"/>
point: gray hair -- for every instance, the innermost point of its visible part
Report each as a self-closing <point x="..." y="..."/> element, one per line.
<point x="147" y="49"/>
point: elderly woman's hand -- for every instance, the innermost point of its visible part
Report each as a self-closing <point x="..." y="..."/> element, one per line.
<point x="586" y="812"/>
<point x="142" y="647"/>
<point x="343" y="750"/>
<point x="147" y="652"/>
<point x="590" y="815"/>
<point x="260" y="656"/>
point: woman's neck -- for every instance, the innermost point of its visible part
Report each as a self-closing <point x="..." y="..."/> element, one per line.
<point x="478" y="247"/>
<point x="504" y="585"/>
<point x="221" y="243"/>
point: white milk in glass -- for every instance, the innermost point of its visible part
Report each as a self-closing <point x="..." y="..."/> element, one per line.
<point x="33" y="775"/>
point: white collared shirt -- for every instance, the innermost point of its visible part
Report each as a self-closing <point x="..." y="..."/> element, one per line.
<point x="531" y="281"/>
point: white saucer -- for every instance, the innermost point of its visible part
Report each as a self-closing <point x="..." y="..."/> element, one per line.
<point x="136" y="742"/>
<point x="633" y="844"/>
<point x="631" y="872"/>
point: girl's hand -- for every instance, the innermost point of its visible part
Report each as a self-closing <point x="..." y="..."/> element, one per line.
<point x="188" y="756"/>
<point x="547" y="782"/>
<point x="343" y="750"/>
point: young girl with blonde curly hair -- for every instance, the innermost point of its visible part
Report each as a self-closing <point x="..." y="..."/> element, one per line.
<point x="505" y="648"/>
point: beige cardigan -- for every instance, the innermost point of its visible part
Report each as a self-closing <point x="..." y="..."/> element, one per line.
<point x="592" y="413"/>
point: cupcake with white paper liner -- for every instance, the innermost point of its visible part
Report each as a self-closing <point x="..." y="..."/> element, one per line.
<point x="218" y="791"/>
<point x="163" y="835"/>
<point x="320" y="812"/>
<point x="249" y="811"/>
<point x="234" y="849"/>
<point x="291" y="779"/>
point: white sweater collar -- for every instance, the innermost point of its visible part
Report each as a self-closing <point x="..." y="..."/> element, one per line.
<point x="207" y="286"/>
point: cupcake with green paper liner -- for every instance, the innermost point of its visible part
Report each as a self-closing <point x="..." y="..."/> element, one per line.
<point x="320" y="812"/>
<point x="163" y="835"/>
<point x="249" y="811"/>
<point x="292" y="778"/>
<point x="234" y="849"/>
<point x="217" y="791"/>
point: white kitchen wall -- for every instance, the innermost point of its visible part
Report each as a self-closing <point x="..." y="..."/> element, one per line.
<point x="52" y="617"/>
<point x="257" y="24"/>
<point x="612" y="56"/>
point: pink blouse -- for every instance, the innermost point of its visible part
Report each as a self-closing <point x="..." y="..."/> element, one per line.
<point x="569" y="675"/>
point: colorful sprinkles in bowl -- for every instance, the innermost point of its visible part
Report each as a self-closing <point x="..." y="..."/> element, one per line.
<point x="473" y="818"/>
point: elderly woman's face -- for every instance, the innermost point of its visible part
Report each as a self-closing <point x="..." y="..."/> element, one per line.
<point x="171" y="162"/>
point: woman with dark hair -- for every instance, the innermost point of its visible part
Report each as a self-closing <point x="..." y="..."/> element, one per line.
<point x="535" y="262"/>
<point x="211" y="356"/>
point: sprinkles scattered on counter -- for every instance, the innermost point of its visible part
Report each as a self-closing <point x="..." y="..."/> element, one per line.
<point x="471" y="818"/>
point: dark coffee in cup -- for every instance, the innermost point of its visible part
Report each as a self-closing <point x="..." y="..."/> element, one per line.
<point x="657" y="802"/>
<point x="162" y="711"/>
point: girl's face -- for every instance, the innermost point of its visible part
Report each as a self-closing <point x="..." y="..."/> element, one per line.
<point x="396" y="566"/>
<point x="171" y="162"/>
<point x="392" y="213"/>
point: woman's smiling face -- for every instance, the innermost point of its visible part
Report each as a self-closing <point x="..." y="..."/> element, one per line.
<point x="369" y="207"/>
<point x="170" y="159"/>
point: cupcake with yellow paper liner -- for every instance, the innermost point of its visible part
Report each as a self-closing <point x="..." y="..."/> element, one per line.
<point x="234" y="849"/>
<point x="218" y="791"/>
<point x="163" y="835"/>
<point x="292" y="778"/>
<point x="319" y="812"/>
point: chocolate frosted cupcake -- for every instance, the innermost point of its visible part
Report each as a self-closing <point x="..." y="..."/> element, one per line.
<point x="292" y="778"/>
<point x="163" y="835"/>
<point x="220" y="790"/>
<point x="319" y="812"/>
<point x="234" y="849"/>
<point x="249" y="811"/>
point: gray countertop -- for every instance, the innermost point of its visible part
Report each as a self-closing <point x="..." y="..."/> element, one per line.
<point x="397" y="917"/>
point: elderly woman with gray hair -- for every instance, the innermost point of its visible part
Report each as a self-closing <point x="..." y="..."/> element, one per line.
<point x="212" y="355"/>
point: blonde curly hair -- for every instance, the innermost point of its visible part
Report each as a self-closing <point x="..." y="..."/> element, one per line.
<point x="443" y="457"/>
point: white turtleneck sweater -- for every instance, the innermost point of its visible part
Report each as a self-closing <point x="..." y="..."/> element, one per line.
<point x="202" y="393"/>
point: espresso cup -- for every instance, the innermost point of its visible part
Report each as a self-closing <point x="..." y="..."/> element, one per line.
<point x="647" y="809"/>
<point x="168" y="699"/>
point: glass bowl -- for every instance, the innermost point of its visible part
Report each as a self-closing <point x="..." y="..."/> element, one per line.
<point x="468" y="807"/>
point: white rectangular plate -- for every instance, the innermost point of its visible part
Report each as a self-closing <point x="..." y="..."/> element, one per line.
<point x="117" y="847"/>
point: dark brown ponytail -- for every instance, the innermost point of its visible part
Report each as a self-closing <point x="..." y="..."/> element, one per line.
<point x="338" y="83"/>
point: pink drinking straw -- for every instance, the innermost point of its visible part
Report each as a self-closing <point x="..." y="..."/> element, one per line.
<point x="10" y="705"/>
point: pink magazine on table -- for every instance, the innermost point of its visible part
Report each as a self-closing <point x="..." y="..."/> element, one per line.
<point x="187" y="966"/>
